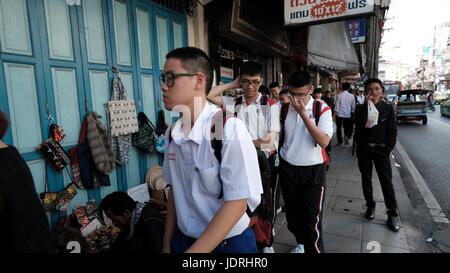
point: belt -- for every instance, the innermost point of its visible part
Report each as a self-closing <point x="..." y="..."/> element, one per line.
<point x="373" y="145"/>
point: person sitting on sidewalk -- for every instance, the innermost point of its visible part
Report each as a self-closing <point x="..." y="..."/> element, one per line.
<point x="302" y="171"/>
<point x="208" y="197"/>
<point x="142" y="226"/>
<point x="373" y="147"/>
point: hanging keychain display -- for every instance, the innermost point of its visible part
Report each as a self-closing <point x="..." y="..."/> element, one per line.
<point x="51" y="148"/>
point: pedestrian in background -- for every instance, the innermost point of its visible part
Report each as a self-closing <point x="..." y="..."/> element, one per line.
<point x="328" y="99"/>
<point x="345" y="107"/>
<point x="359" y="96"/>
<point x="430" y="99"/>
<point x="24" y="226"/>
<point x="374" y="146"/>
<point x="275" y="90"/>
<point x="317" y="93"/>
<point x="284" y="97"/>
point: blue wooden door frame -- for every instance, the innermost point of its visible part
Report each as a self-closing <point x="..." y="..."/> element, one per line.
<point x="42" y="63"/>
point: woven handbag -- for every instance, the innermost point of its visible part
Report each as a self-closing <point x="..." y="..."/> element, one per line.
<point x="122" y="111"/>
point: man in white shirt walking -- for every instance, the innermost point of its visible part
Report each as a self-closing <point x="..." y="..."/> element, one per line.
<point x="345" y="107"/>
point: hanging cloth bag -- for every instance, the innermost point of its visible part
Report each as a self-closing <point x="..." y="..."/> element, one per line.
<point x="122" y="111"/>
<point x="100" y="144"/>
<point x="52" y="150"/>
<point x="121" y="144"/>
<point x="52" y="201"/>
<point x="145" y="139"/>
<point x="84" y="172"/>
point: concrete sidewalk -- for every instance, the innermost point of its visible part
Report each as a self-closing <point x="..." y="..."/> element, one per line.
<point x="345" y="230"/>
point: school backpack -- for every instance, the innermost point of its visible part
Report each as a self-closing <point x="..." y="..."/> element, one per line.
<point x="317" y="112"/>
<point x="261" y="217"/>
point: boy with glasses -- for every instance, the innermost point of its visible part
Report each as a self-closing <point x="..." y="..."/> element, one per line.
<point x="207" y="201"/>
<point x="302" y="171"/>
<point x="259" y="113"/>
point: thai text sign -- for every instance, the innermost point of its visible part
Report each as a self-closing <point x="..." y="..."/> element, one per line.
<point x="311" y="11"/>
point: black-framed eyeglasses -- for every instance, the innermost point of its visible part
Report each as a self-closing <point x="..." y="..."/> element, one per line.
<point x="299" y="95"/>
<point x="248" y="82"/>
<point x="168" y="78"/>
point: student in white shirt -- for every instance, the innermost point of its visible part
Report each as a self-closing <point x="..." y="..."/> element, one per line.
<point x="259" y="112"/>
<point x="275" y="89"/>
<point x="207" y="201"/>
<point x="302" y="172"/>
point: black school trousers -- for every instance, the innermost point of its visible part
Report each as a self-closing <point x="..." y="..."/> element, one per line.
<point x="303" y="189"/>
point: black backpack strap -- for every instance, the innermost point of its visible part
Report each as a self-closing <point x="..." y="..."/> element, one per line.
<point x="217" y="125"/>
<point x="237" y="103"/>
<point x="317" y="110"/>
<point x="264" y="100"/>
<point x="170" y="134"/>
<point x="283" y="116"/>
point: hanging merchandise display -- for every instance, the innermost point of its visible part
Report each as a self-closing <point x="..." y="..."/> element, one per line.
<point x="122" y="111"/>
<point x="145" y="139"/>
<point x="52" y="201"/>
<point x="52" y="150"/>
<point x="100" y="144"/>
<point x="85" y="173"/>
<point x="121" y="144"/>
<point x="54" y="153"/>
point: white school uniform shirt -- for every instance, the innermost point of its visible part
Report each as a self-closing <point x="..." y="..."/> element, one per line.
<point x="345" y="104"/>
<point x="299" y="147"/>
<point x="192" y="169"/>
<point x="257" y="122"/>
<point x="360" y="99"/>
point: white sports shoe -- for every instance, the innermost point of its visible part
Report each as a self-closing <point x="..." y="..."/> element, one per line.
<point x="298" y="249"/>
<point x="279" y="210"/>
<point x="268" y="249"/>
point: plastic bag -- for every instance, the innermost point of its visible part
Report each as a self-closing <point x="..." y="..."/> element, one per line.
<point x="372" y="115"/>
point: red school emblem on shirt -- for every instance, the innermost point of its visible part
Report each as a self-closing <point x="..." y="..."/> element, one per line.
<point x="172" y="156"/>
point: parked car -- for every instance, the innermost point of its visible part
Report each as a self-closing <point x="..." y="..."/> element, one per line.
<point x="412" y="105"/>
<point x="445" y="108"/>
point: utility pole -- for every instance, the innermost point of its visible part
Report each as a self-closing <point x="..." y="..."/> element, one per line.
<point x="434" y="60"/>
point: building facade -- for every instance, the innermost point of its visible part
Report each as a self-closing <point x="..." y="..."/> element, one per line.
<point x="56" y="62"/>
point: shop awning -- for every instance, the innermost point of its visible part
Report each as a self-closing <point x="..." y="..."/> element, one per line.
<point x="330" y="47"/>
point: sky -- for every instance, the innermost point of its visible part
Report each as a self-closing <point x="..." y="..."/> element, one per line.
<point x="410" y="27"/>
